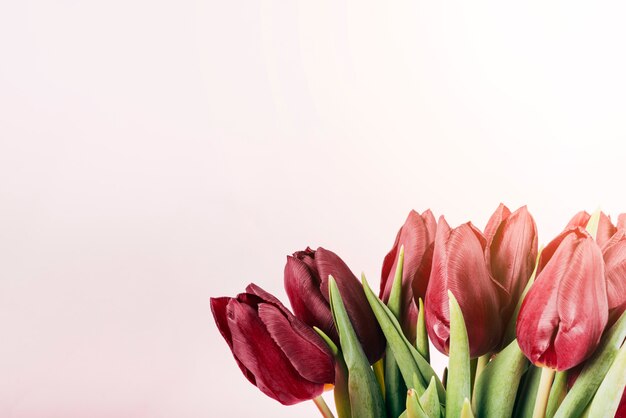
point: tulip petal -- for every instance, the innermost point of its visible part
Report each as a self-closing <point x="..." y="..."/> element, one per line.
<point x="511" y="253"/>
<point x="257" y="351"/>
<point x="361" y="316"/>
<point x="564" y="313"/>
<point x="614" y="254"/>
<point x="494" y="222"/>
<point x="218" y="308"/>
<point x="308" y="302"/>
<point x="459" y="265"/>
<point x="313" y="362"/>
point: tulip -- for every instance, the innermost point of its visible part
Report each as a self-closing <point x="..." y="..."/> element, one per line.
<point x="306" y="283"/>
<point x="614" y="254"/>
<point x="606" y="229"/>
<point x="459" y="266"/>
<point x="276" y="351"/>
<point x="564" y="313"/>
<point x="417" y="235"/>
<point x="511" y="254"/>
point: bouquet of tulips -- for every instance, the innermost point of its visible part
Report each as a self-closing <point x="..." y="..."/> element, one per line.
<point x="528" y="332"/>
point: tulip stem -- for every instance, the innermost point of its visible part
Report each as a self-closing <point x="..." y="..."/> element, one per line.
<point x="545" y="383"/>
<point x="323" y="407"/>
<point x="482" y="363"/>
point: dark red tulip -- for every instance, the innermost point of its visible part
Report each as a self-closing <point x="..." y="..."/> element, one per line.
<point x="511" y="254"/>
<point x="565" y="311"/>
<point x="606" y="229"/>
<point x="306" y="283"/>
<point x="417" y="235"/>
<point x="276" y="351"/>
<point x="614" y="253"/>
<point x="621" y="409"/>
<point x="459" y="265"/>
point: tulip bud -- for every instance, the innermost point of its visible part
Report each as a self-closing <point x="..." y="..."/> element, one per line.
<point x="459" y="266"/>
<point x="417" y="235"/>
<point x="276" y="351"/>
<point x="564" y="313"/>
<point x="606" y="229"/>
<point x="511" y="254"/>
<point x="306" y="283"/>
<point x="614" y="254"/>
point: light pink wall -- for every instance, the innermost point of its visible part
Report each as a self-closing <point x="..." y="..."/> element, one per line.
<point x="156" y="153"/>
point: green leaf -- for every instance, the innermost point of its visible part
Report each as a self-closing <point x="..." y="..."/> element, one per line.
<point x="395" y="389"/>
<point x="430" y="401"/>
<point x="593" y="222"/>
<point x="365" y="397"/>
<point x="413" y="407"/>
<point x="594" y="371"/>
<point x="409" y="360"/>
<point x="466" y="410"/>
<point x="525" y="402"/>
<point x="609" y="394"/>
<point x="459" y="374"/>
<point x="557" y="393"/>
<point x="341" y="393"/>
<point x="421" y="340"/>
<point x="496" y="387"/>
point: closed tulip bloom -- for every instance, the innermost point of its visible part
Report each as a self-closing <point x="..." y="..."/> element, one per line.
<point x="511" y="253"/>
<point x="306" y="283"/>
<point x="417" y="235"/>
<point x="606" y="229"/>
<point x="276" y="352"/>
<point x="459" y="265"/>
<point x="614" y="254"/>
<point x="565" y="311"/>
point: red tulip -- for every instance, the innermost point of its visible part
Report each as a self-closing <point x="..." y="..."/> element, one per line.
<point x="606" y="229"/>
<point x="417" y="235"/>
<point x="459" y="265"/>
<point x="306" y="283"/>
<point x="614" y="253"/>
<point x="511" y="254"/>
<point x="564" y="313"/>
<point x="277" y="352"/>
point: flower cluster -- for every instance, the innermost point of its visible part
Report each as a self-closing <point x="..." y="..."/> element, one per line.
<point x="528" y="332"/>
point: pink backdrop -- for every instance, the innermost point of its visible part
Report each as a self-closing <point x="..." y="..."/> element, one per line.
<point x="156" y="153"/>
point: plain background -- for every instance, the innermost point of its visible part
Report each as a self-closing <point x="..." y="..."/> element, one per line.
<point x="156" y="153"/>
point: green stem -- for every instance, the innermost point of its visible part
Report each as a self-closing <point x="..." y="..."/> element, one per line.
<point x="547" y="376"/>
<point x="323" y="407"/>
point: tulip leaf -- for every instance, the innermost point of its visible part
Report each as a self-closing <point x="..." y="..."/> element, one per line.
<point x="609" y="394"/>
<point x="365" y="397"/>
<point x="341" y="392"/>
<point x="593" y="223"/>
<point x="459" y="373"/>
<point x="409" y="360"/>
<point x="430" y="401"/>
<point x="421" y="340"/>
<point x="525" y="402"/>
<point x="466" y="410"/>
<point x="395" y="389"/>
<point x="496" y="387"/>
<point x="413" y="407"/>
<point x="557" y="393"/>
<point x="594" y="371"/>
<point x="510" y="332"/>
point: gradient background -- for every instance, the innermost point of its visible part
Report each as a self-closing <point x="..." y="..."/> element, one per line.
<point x="155" y="153"/>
